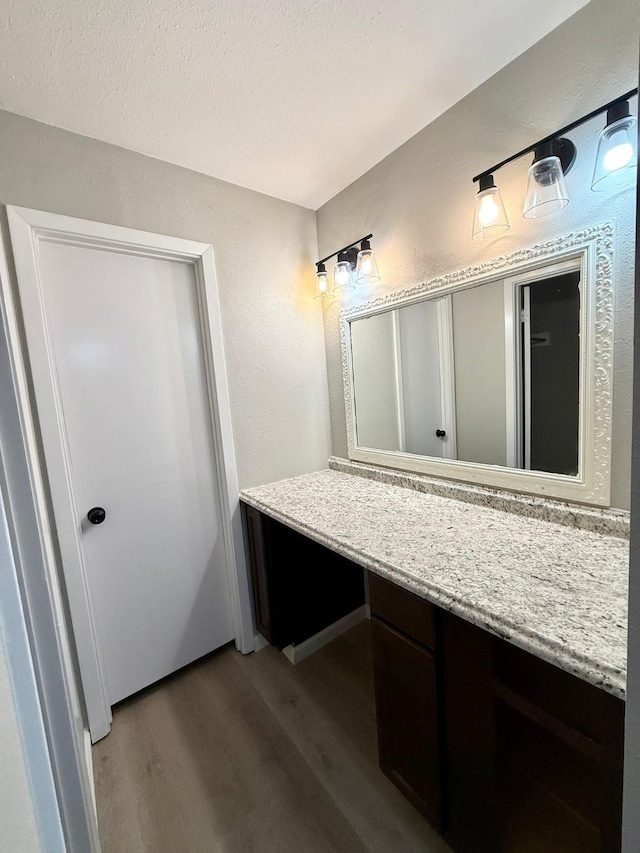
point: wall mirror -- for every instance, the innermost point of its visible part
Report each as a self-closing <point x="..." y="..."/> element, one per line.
<point x="500" y="374"/>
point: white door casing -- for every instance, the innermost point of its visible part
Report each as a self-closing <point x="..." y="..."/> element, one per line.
<point x="518" y="355"/>
<point x="30" y="231"/>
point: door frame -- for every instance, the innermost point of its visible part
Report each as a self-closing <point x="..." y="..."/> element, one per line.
<point x="517" y="355"/>
<point x="58" y="515"/>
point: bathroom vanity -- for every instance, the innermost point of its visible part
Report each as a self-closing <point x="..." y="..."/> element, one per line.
<point x="499" y="636"/>
<point x="474" y="509"/>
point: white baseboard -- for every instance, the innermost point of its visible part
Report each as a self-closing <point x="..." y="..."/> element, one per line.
<point x="302" y="650"/>
<point x="259" y="642"/>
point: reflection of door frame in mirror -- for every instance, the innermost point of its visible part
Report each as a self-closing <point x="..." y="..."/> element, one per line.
<point x="592" y="247"/>
<point x="444" y="310"/>
<point x="518" y="389"/>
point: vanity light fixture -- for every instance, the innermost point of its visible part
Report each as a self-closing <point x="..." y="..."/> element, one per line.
<point x="322" y="282"/>
<point x="355" y="264"/>
<point x="546" y="186"/>
<point x="617" y="148"/>
<point x="343" y="273"/>
<point x="366" y="267"/>
<point x="489" y="216"/>
<point x="553" y="158"/>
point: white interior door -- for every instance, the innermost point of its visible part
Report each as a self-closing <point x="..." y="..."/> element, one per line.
<point x="427" y="378"/>
<point x="127" y="352"/>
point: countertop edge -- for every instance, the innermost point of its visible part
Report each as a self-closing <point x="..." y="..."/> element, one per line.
<point x="608" y="679"/>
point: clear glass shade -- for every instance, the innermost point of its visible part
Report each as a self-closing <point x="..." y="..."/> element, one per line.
<point x="366" y="268"/>
<point x="343" y="277"/>
<point x="546" y="189"/>
<point x="490" y="216"/>
<point x="617" y="155"/>
<point x="322" y="286"/>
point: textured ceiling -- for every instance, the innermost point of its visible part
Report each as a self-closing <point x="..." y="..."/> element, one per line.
<point x="294" y="98"/>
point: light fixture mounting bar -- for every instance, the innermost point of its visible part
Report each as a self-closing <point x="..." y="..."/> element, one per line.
<point x="563" y="130"/>
<point x="344" y="248"/>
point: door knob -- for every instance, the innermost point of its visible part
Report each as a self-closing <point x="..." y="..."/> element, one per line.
<point x="96" y="515"/>
<point x="440" y="433"/>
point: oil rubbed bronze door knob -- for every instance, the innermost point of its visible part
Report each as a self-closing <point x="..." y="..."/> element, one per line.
<point x="96" y="515"/>
<point x="440" y="433"/>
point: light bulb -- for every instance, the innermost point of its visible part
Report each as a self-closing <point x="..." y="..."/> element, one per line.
<point x="488" y="212"/>
<point x="617" y="150"/>
<point x="322" y="283"/>
<point x="367" y="271"/>
<point x="342" y="277"/>
<point x="620" y="154"/>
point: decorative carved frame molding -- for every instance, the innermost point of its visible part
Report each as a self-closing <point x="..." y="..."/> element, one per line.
<point x="594" y="247"/>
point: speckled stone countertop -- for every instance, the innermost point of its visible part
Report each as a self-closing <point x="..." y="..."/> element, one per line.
<point x="553" y="590"/>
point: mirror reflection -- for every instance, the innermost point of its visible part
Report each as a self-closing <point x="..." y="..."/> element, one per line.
<point x="487" y="374"/>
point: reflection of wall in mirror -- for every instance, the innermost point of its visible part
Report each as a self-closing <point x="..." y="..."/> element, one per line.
<point x="373" y="354"/>
<point x="478" y="343"/>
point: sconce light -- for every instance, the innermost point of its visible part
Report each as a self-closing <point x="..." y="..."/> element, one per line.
<point x="617" y="148"/>
<point x="553" y="158"/>
<point x="366" y="267"/>
<point x="490" y="215"/>
<point x="546" y="186"/>
<point x="322" y="282"/>
<point x="342" y="273"/>
<point x="355" y="264"/>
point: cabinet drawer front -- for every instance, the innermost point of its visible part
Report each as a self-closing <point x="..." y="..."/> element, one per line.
<point x="407" y="612"/>
<point x="587" y="709"/>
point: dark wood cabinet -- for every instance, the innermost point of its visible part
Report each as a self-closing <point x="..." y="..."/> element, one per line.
<point x="534" y="754"/>
<point x="499" y="750"/>
<point x="299" y="586"/>
<point x="408" y="719"/>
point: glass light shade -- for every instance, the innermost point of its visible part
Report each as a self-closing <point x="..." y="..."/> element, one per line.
<point x="546" y="189"/>
<point x="489" y="216"/>
<point x="322" y="286"/>
<point x="366" y="267"/>
<point x="617" y="155"/>
<point x="342" y="276"/>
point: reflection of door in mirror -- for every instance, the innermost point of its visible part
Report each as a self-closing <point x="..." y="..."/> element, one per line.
<point x="551" y="329"/>
<point x="544" y="393"/>
<point x="403" y="379"/>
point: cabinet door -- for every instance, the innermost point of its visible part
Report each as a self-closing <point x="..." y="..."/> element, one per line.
<point x="256" y="537"/>
<point x="407" y="712"/>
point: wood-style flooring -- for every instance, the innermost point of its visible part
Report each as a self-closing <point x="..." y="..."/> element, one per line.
<point x="249" y="754"/>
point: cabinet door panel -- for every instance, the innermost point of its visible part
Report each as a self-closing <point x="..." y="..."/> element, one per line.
<point x="407" y="711"/>
<point x="256" y="537"/>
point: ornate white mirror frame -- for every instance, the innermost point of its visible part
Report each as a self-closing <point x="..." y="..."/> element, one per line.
<point x="594" y="248"/>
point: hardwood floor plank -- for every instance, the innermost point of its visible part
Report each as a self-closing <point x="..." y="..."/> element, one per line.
<point x="251" y="755"/>
<point x="326" y="706"/>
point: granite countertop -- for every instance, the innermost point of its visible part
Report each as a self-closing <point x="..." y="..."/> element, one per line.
<point x="556" y="591"/>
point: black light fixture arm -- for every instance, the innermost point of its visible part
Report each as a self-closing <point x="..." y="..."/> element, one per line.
<point x="345" y="248"/>
<point x="531" y="148"/>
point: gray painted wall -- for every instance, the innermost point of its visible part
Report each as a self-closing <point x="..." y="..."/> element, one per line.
<point x="373" y="352"/>
<point x="418" y="202"/>
<point x="273" y="335"/>
<point x="481" y="389"/>
<point x="264" y="250"/>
